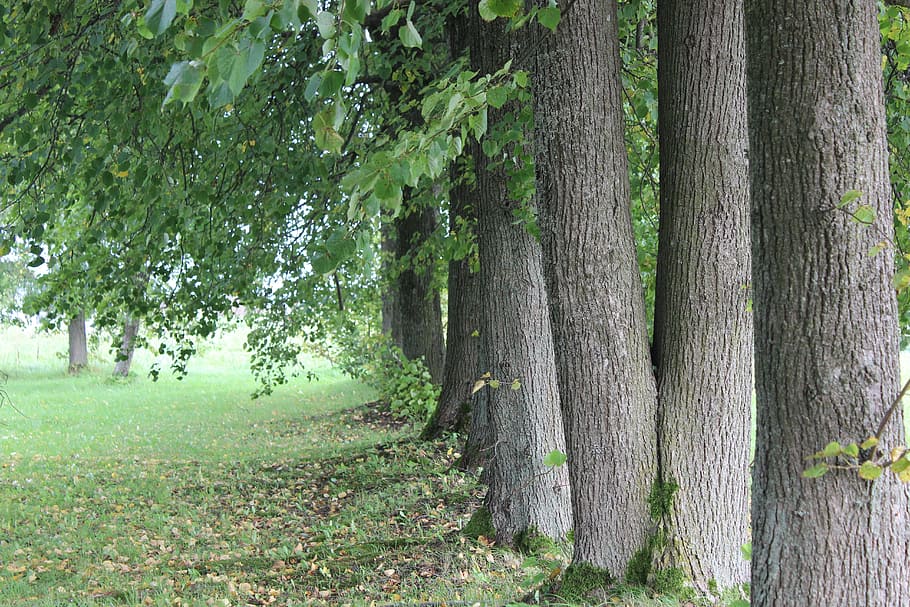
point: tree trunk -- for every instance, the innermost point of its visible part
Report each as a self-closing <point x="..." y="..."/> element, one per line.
<point x="481" y="439"/>
<point x="391" y="311"/>
<point x="127" y="347"/>
<point x="462" y="344"/>
<point x="702" y="326"/>
<point x="418" y="300"/>
<point x="78" y="344"/>
<point x="524" y="495"/>
<point x="825" y="313"/>
<point x="606" y="385"/>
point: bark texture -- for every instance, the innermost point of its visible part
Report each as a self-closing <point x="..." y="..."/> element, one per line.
<point x="391" y="311"/>
<point x="418" y="300"/>
<point x="524" y="495"/>
<point x="453" y="411"/>
<point x="127" y="347"/>
<point x="825" y="314"/>
<point x="78" y="344"/>
<point x="702" y="326"/>
<point x="606" y="384"/>
<point x="481" y="439"/>
<point x="462" y="343"/>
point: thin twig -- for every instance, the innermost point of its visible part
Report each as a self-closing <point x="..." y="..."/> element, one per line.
<point x="887" y="418"/>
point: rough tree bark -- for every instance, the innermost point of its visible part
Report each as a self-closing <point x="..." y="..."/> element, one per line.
<point x="391" y="312"/>
<point x="127" y="347"/>
<point x="606" y="384"/>
<point x="78" y="344"/>
<point x="462" y="344"/>
<point x="418" y="301"/>
<point x="453" y="410"/>
<point x="524" y="496"/>
<point x="825" y="314"/>
<point x="702" y="326"/>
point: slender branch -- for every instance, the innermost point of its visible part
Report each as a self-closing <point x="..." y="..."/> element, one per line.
<point x="891" y="410"/>
<point x="338" y="291"/>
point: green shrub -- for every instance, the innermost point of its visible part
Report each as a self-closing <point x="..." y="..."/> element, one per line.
<point x="408" y="387"/>
<point x="405" y="384"/>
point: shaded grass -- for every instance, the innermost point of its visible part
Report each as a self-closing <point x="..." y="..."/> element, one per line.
<point x="189" y="493"/>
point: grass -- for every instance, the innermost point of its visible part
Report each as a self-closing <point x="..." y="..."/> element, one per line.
<point x="186" y="493"/>
<point x="189" y="493"/>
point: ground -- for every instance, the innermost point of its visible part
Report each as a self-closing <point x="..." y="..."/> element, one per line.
<point x="189" y="493"/>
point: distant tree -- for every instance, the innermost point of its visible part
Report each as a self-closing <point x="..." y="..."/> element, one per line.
<point x="462" y="365"/>
<point x="17" y="282"/>
<point x="78" y="344"/>
<point x="124" y="358"/>
<point x="418" y="294"/>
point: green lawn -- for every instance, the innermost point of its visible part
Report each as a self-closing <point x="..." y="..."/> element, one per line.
<point x="190" y="493"/>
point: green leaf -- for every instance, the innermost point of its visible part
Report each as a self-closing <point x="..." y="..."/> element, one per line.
<point x="409" y="35"/>
<point x="246" y="62"/>
<point x="848" y="197"/>
<point x="183" y="80"/>
<point x="495" y="384"/>
<point x="555" y="458"/>
<point x="815" y="471"/>
<point x="746" y="551"/>
<point x="900" y="465"/>
<point x="340" y="246"/>
<point x="832" y="449"/>
<point x="869" y="443"/>
<point x="355" y="11"/>
<point x="549" y="17"/>
<point x="290" y="14"/>
<point x="253" y="9"/>
<point x="391" y="19"/>
<point x="325" y="21"/>
<point x="385" y="188"/>
<point x="902" y="279"/>
<point x="521" y="79"/>
<point x="864" y="214"/>
<point x="497" y="96"/>
<point x="516" y="385"/>
<point x="322" y="264"/>
<point x="160" y="15"/>
<point x="852" y="450"/>
<point x="870" y="471"/>
<point x="327" y="138"/>
<point x="490" y="9"/>
<point x="331" y="83"/>
<point x="312" y="86"/>
<point x="311" y="6"/>
<point x="220" y="95"/>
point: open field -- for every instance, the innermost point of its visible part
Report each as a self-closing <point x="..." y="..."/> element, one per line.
<point x="189" y="493"/>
